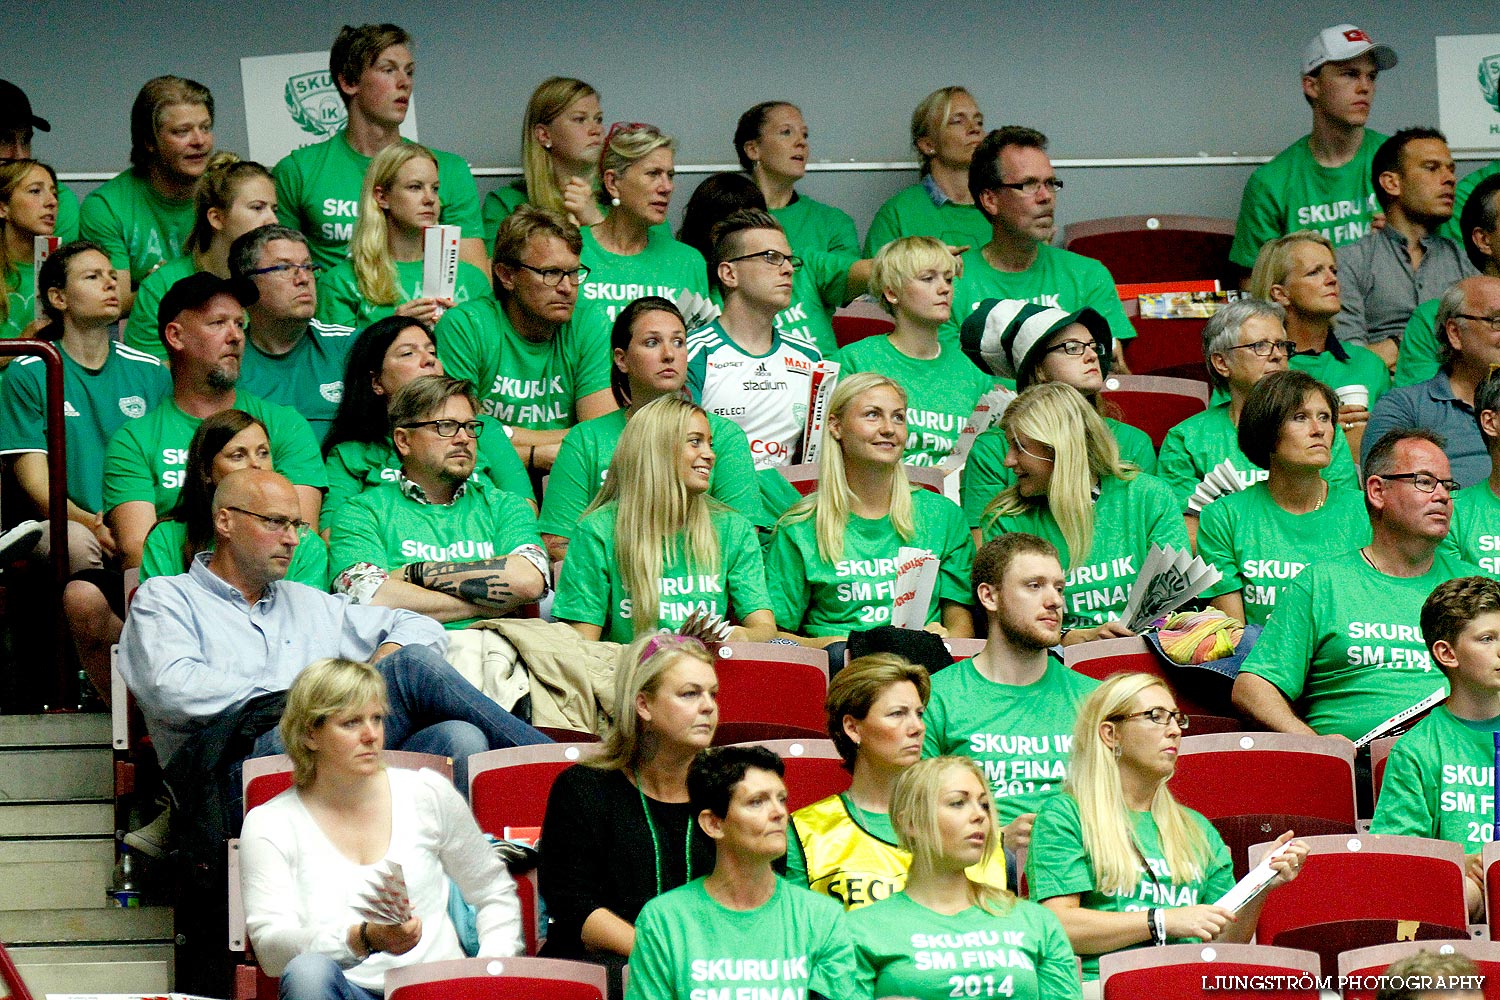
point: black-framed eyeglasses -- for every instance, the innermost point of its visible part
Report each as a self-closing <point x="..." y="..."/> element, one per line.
<point x="1075" y="348"/>
<point x="1033" y="185"/>
<point x="450" y="428"/>
<point x="288" y="270"/>
<point x="1160" y="716"/>
<point x="1491" y="322"/>
<point x="773" y="257"/>
<point x="275" y="523"/>
<point x="1267" y="348"/>
<point x="553" y="276"/>
<point x="1425" y="482"/>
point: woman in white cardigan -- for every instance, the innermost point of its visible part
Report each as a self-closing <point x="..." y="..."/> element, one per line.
<point x="309" y="855"/>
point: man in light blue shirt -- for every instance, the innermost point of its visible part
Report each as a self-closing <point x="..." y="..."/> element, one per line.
<point x="231" y="629"/>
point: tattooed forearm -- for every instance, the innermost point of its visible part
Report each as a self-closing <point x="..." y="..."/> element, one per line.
<point x="484" y="582"/>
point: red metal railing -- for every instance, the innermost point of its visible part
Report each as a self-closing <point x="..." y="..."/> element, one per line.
<point x="56" y="687"/>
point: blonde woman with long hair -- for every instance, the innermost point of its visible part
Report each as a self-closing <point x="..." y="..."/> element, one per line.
<point x="653" y="549"/>
<point x="561" y="136"/>
<point x="619" y="827"/>
<point x="1072" y="488"/>
<point x="630" y="253"/>
<point x="1119" y="861"/>
<point x="383" y="276"/>
<point x="232" y="197"/>
<point x="943" y="816"/>
<point x="28" y="209"/>
<point x="834" y="557"/>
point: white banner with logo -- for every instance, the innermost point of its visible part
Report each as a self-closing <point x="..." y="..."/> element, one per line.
<point x="291" y="102"/>
<point x="1468" y="78"/>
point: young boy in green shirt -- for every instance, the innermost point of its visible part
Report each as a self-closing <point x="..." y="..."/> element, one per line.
<point x="1440" y="781"/>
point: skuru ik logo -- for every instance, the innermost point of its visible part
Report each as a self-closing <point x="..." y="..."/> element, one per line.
<point x="133" y="407"/>
<point x="1489" y="80"/>
<point x="313" y="102"/>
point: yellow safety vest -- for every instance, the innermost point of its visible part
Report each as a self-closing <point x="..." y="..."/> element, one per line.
<point x="855" y="867"/>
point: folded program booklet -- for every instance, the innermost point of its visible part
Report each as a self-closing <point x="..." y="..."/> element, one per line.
<point x="1184" y="305"/>
<point x="1253" y="884"/>
<point x="1168" y="579"/>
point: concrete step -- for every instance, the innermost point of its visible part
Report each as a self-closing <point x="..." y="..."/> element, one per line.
<point x="56" y="729"/>
<point x="94" y="968"/>
<point x="43" y="874"/>
<point x="56" y="774"/>
<point x="56" y="819"/>
<point x="106" y="924"/>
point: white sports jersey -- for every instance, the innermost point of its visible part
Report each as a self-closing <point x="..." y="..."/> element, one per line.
<point x="766" y="395"/>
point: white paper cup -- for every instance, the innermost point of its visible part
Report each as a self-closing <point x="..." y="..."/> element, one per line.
<point x="1353" y="395"/>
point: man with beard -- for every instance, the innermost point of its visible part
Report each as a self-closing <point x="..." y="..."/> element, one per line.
<point x="437" y="541"/>
<point x="1012" y="706"/>
<point x="202" y="325"/>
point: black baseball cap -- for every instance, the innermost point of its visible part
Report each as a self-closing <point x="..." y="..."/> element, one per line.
<point x="194" y="291"/>
<point x="15" y="110"/>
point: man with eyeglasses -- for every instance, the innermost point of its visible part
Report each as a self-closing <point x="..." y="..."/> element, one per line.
<point x="1385" y="274"/>
<point x="539" y="365"/>
<point x="1322" y="181"/>
<point x="741" y="366"/>
<point x="1243" y="342"/>
<point x="1343" y="651"/>
<point x="1468" y="321"/>
<point x="437" y="541"/>
<point x="291" y="358"/>
<point x="201" y="322"/>
<point x="1014" y="185"/>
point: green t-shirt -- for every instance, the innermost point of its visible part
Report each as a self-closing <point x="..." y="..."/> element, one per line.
<point x="814" y="597"/>
<point x="1260" y="547"/>
<point x="146" y="459"/>
<point x="136" y="225"/>
<point x="910" y="212"/>
<point x="1204" y="440"/>
<point x="498" y="206"/>
<point x="1130" y="516"/>
<point x="96" y="404"/>
<point x="1440" y="782"/>
<point x="1474" y="529"/>
<point x="141" y="329"/>
<point x="318" y="186"/>
<point x="902" y="948"/>
<point x="665" y="267"/>
<point x="385" y="528"/>
<point x="340" y="303"/>
<point x="1345" y="646"/>
<point x="520" y="382"/>
<point x="1294" y="191"/>
<point x="583" y="460"/>
<point x="162" y="555"/>
<point x="356" y="466"/>
<point x="940" y="393"/>
<point x="591" y="588"/>
<point x="985" y="474"/>
<point x="813" y="225"/>
<point x="66" y="228"/>
<point x="1364" y="367"/>
<point x="1058" y="864"/>
<point x="1057" y="278"/>
<point x="20" y="301"/>
<point x="1420" y="356"/>
<point x="309" y="378"/>
<point x="1460" y="199"/>
<point x="819" y="287"/>
<point x="1022" y="735"/>
<point x="690" y="947"/>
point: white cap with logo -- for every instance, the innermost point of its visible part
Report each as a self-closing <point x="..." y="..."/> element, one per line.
<point x="1341" y="42"/>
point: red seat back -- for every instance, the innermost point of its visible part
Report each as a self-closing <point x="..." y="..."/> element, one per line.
<point x="1167" y="347"/>
<point x="267" y="777"/>
<point x="1364" y="965"/>
<point x="1103" y="657"/>
<point x="509" y="787"/>
<point x="770" y="691"/>
<point x="847" y="329"/>
<point x="1231" y="774"/>
<point x="1157" y="403"/>
<point x="498" y="979"/>
<point x="814" y="770"/>
<point x="1142" y="248"/>
<point x="1179" y="971"/>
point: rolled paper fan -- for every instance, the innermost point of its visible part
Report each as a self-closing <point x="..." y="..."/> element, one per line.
<point x="696" y="310"/>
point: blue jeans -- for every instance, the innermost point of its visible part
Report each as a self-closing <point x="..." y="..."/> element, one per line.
<point x="432" y="710"/>
<point x="318" y="977"/>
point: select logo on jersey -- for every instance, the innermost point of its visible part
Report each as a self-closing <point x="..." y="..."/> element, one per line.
<point x="332" y="391"/>
<point x="313" y="102"/>
<point x="133" y="407"/>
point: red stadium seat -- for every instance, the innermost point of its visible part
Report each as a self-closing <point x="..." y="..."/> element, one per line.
<point x="1380" y="756"/>
<point x="804" y="477"/>
<point x="1156" y="403"/>
<point x="860" y="319"/>
<point x="1103" y="657"/>
<point x="498" y="979"/>
<point x="267" y="777"/>
<point x="1179" y="971"/>
<point x="1369" y="878"/>
<point x="1137" y="248"/>
<point x="814" y="770"/>
<point x="1172" y="347"/>
<point x="1230" y="774"/>
<point x="509" y="787"/>
<point x="1368" y="963"/>
<point x="770" y="691"/>
<point x="1492" y="888"/>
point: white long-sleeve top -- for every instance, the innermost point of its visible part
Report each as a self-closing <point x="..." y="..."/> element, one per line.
<point x="301" y="893"/>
